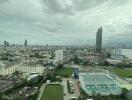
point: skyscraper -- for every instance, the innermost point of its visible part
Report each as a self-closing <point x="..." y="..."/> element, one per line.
<point x="25" y="43"/>
<point x="5" y="43"/>
<point x="99" y="40"/>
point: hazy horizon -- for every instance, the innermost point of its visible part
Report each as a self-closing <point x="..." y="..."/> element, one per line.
<point x="66" y="22"/>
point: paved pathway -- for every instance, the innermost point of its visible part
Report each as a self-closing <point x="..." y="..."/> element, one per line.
<point x="40" y="92"/>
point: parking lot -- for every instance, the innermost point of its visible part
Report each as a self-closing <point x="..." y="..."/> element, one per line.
<point x="67" y="95"/>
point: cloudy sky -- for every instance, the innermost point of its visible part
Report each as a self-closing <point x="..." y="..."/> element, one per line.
<point x="66" y="22"/>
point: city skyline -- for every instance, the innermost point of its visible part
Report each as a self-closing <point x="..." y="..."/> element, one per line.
<point x="65" y="50"/>
<point x="65" y="22"/>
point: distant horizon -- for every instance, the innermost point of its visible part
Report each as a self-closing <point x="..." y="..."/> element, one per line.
<point x="92" y="46"/>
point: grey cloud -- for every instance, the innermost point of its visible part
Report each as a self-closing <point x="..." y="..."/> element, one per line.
<point x="65" y="21"/>
<point x="87" y="4"/>
<point x="4" y="1"/>
<point x="54" y="7"/>
<point x="50" y="30"/>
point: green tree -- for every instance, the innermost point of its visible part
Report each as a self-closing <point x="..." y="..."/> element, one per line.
<point x="84" y="95"/>
<point x="1" y="96"/>
<point x="124" y="93"/>
<point x="106" y="63"/>
<point x="76" y="59"/>
<point x="98" y="97"/>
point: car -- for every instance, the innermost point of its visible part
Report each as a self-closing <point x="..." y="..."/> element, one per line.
<point x="73" y="98"/>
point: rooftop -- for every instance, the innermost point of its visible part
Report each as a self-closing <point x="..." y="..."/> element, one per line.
<point x="98" y="79"/>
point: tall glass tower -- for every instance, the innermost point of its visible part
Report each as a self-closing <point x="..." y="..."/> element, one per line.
<point x="25" y="43"/>
<point x="99" y="40"/>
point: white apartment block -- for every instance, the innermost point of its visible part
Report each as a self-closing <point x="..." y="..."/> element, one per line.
<point x="58" y="55"/>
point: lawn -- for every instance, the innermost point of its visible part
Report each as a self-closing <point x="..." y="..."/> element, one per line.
<point x="52" y="92"/>
<point x="125" y="73"/>
<point x="65" y="72"/>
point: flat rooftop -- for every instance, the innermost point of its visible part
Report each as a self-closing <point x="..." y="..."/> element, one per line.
<point x="98" y="83"/>
<point x="96" y="79"/>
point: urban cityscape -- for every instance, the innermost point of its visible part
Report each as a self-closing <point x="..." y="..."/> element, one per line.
<point x="65" y="50"/>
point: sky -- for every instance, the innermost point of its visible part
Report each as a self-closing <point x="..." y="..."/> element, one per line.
<point x="66" y="22"/>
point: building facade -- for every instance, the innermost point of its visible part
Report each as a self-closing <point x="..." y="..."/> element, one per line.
<point x="25" y="43"/>
<point x="58" y="55"/>
<point x="99" y="40"/>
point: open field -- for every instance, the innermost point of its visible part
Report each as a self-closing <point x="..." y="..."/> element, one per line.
<point x="125" y="73"/>
<point x="52" y="92"/>
<point x="65" y="72"/>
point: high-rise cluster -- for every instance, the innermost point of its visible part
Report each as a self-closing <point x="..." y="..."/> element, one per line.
<point x="6" y="43"/>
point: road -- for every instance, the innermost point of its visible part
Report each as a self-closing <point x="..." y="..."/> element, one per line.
<point x="68" y="95"/>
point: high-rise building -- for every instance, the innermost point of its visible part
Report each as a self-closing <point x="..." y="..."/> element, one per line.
<point x="5" y="43"/>
<point x="99" y="40"/>
<point x="58" y="55"/>
<point x="25" y="43"/>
